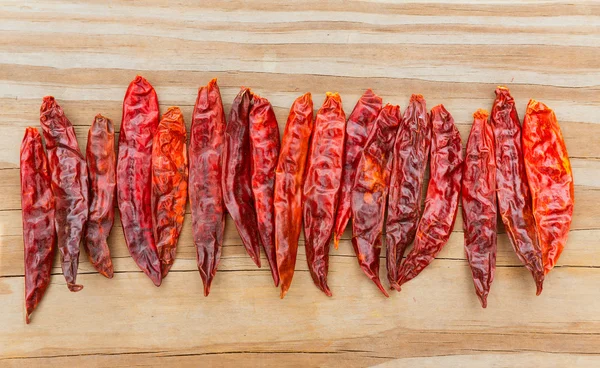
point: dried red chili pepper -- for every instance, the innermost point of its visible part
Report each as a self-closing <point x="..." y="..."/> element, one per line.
<point x="101" y="164"/>
<point x="411" y="152"/>
<point x="206" y="196"/>
<point x="289" y="178"/>
<point x="322" y="186"/>
<point x="370" y="191"/>
<point x="237" y="177"/>
<point x="134" y="175"/>
<point x="514" y="198"/>
<point x="550" y="179"/>
<point x="39" y="233"/>
<point x="357" y="131"/>
<point x="479" y="204"/>
<point x="441" y="202"/>
<point x="69" y="185"/>
<point x="264" y="145"/>
<point x="169" y="185"/>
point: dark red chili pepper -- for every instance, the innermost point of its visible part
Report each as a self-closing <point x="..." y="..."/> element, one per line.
<point x="479" y="204"/>
<point x="370" y="191"/>
<point x="206" y="196"/>
<point x="322" y="186"/>
<point x="514" y="198"/>
<point x="264" y="145"/>
<point x="134" y="175"/>
<point x="169" y="185"/>
<point x="441" y="202"/>
<point x="357" y="131"/>
<point x="101" y="164"/>
<point x="289" y="178"/>
<point x="550" y="179"/>
<point x="411" y="152"/>
<point x="237" y="177"/>
<point x="37" y="204"/>
<point x="69" y="185"/>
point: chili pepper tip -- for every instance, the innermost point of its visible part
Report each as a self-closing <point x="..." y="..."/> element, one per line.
<point x="378" y="283"/>
<point x="164" y="269"/>
<point x="483" y="300"/>
<point x="540" y="286"/>
<point x="395" y="286"/>
<point x="326" y="290"/>
<point x="284" y="291"/>
<point x="74" y="287"/>
<point x="336" y="241"/>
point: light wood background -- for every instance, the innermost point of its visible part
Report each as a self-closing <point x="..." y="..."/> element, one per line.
<point x="453" y="52"/>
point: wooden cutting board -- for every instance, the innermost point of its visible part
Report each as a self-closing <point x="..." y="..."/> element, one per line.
<point x="453" y="52"/>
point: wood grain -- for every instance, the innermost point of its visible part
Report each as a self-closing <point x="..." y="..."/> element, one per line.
<point x="453" y="52"/>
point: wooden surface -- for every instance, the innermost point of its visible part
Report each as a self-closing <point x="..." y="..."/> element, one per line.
<point x="454" y="52"/>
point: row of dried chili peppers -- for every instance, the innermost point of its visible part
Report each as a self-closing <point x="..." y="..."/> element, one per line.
<point x="324" y="172"/>
<point x="525" y="175"/>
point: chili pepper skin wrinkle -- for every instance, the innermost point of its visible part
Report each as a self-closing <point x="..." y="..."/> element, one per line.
<point x="441" y="201"/>
<point x="358" y="127"/>
<point x="289" y="178"/>
<point x="479" y="204"/>
<point x="410" y="158"/>
<point x="134" y="175"/>
<point x="514" y="198"/>
<point x="169" y="185"/>
<point x="205" y="190"/>
<point x="550" y="180"/>
<point x="322" y="186"/>
<point x="237" y="176"/>
<point x="370" y="192"/>
<point x="264" y="144"/>
<point x="69" y="185"/>
<point x="39" y="233"/>
<point x="102" y="164"/>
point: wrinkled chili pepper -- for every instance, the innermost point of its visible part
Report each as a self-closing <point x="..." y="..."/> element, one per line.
<point x="206" y="195"/>
<point x="479" y="204"/>
<point x="550" y="180"/>
<point x="322" y="186"/>
<point x="370" y="191"/>
<point x="169" y="185"/>
<point x="357" y="131"/>
<point x="237" y="176"/>
<point x="39" y="233"/>
<point x="134" y="175"/>
<point x="69" y="185"/>
<point x="289" y="178"/>
<point x="264" y="145"/>
<point x="411" y="152"/>
<point x="101" y="164"/>
<point x="441" y="201"/>
<point x="514" y="198"/>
